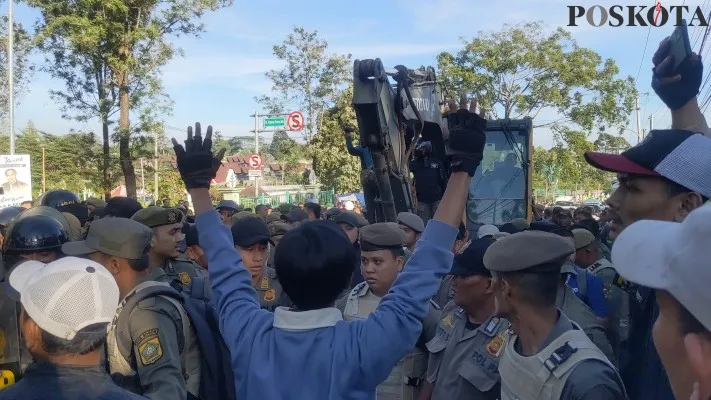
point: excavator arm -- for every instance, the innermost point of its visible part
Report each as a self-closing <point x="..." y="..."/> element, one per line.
<point x="392" y="116"/>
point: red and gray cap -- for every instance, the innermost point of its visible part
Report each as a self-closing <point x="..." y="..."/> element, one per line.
<point x="678" y="155"/>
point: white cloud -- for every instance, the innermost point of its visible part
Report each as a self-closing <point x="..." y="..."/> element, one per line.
<point x="210" y="67"/>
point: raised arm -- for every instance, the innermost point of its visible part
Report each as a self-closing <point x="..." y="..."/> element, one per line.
<point x="231" y="283"/>
<point x="401" y="311"/>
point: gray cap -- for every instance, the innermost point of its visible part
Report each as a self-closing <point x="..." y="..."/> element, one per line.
<point x="412" y="221"/>
<point x="278" y="228"/>
<point x="528" y="249"/>
<point x="362" y="221"/>
<point x="347" y="217"/>
<point x="158" y="216"/>
<point x="118" y="237"/>
<point x="583" y="238"/>
<point x="381" y="236"/>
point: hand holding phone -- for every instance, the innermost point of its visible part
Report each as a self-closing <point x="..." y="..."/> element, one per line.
<point x="677" y="71"/>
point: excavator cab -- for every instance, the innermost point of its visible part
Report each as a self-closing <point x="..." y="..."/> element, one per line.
<point x="398" y="107"/>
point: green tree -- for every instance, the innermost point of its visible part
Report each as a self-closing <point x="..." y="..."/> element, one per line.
<point x="333" y="165"/>
<point x="521" y="70"/>
<point x="110" y="52"/>
<point x="311" y="79"/>
<point x="287" y="153"/>
<point x="22" y="67"/>
<point x="608" y="143"/>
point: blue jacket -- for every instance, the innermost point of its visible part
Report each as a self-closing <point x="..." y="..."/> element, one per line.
<point x="315" y="354"/>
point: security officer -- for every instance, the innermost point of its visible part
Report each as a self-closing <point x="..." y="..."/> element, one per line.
<point x="277" y="230"/>
<point x="193" y="251"/>
<point x="565" y="364"/>
<point x="588" y="255"/>
<point x="382" y="260"/>
<point x="36" y="234"/>
<point x="227" y="208"/>
<point x="251" y="238"/>
<point x="163" y="361"/>
<point x="66" y="201"/>
<point x="167" y="225"/>
<point x="464" y="355"/>
<point x="6" y="215"/>
<point x="413" y="226"/>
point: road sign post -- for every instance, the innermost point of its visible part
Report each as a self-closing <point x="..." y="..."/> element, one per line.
<point x="255" y="170"/>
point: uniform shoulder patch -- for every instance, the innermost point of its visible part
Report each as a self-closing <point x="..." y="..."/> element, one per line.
<point x="149" y="347"/>
<point x="185" y="278"/>
<point x="496" y="344"/>
<point x="270" y="295"/>
<point x="264" y="285"/>
<point x="271" y="273"/>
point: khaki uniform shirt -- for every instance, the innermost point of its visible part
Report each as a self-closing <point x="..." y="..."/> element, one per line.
<point x="463" y="362"/>
<point x="270" y="294"/>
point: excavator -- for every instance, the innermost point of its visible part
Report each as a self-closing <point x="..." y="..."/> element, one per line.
<point x="397" y="108"/>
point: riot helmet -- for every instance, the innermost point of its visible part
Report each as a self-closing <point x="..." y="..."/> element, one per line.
<point x="58" y="198"/>
<point x="34" y="233"/>
<point x="8" y="213"/>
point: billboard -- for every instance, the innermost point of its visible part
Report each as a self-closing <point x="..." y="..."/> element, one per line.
<point x="15" y="179"/>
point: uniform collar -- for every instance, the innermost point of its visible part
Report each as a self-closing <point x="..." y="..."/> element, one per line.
<point x="306" y="320"/>
<point x="155" y="274"/>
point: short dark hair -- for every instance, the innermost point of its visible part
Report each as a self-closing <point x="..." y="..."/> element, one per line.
<point x="539" y="289"/>
<point x="87" y="340"/>
<point x="674" y="189"/>
<point x="398" y="252"/>
<point x="259" y="207"/>
<point x="315" y="208"/>
<point x="139" y="264"/>
<point x="314" y="263"/>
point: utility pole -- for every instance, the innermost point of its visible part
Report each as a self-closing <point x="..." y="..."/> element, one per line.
<point x="639" y="123"/>
<point x="155" y="168"/>
<point x="11" y="74"/>
<point x="256" y="151"/>
<point x="650" y="123"/>
<point x="44" y="182"/>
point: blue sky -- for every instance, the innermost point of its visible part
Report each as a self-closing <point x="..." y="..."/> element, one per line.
<point x="222" y="70"/>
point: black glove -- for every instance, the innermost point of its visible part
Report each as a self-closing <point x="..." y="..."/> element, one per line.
<point x="465" y="148"/>
<point x="196" y="163"/>
<point x="676" y="92"/>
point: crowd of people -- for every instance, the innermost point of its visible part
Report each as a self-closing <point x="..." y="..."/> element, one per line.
<point x="112" y="300"/>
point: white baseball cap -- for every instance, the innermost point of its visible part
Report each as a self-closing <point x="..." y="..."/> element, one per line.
<point x="348" y="205"/>
<point x="670" y="256"/>
<point x="66" y="295"/>
<point x="487" y="230"/>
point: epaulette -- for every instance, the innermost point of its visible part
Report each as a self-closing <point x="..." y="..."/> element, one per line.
<point x="271" y="273"/>
<point x="435" y="305"/>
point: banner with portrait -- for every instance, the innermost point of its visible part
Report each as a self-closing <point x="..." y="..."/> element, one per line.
<point x="15" y="180"/>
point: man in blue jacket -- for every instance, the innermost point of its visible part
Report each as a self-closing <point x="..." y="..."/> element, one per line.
<point x="308" y="351"/>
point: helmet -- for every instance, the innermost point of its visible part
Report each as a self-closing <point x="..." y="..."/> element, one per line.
<point x="46" y="211"/>
<point x="8" y="213"/>
<point x="34" y="233"/>
<point x="59" y="197"/>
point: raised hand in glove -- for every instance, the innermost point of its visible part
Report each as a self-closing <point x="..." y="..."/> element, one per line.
<point x="196" y="163"/>
<point x="465" y="147"/>
<point x="675" y="87"/>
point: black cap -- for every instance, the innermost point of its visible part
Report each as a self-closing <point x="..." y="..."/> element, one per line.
<point x="509" y="228"/>
<point x="347" y="217"/>
<point x="471" y="260"/>
<point x="123" y="207"/>
<point x="248" y="231"/>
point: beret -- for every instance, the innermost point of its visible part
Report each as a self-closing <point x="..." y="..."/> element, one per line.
<point x="381" y="236"/>
<point x="412" y="221"/>
<point x="527" y="249"/>
<point x="158" y="216"/>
